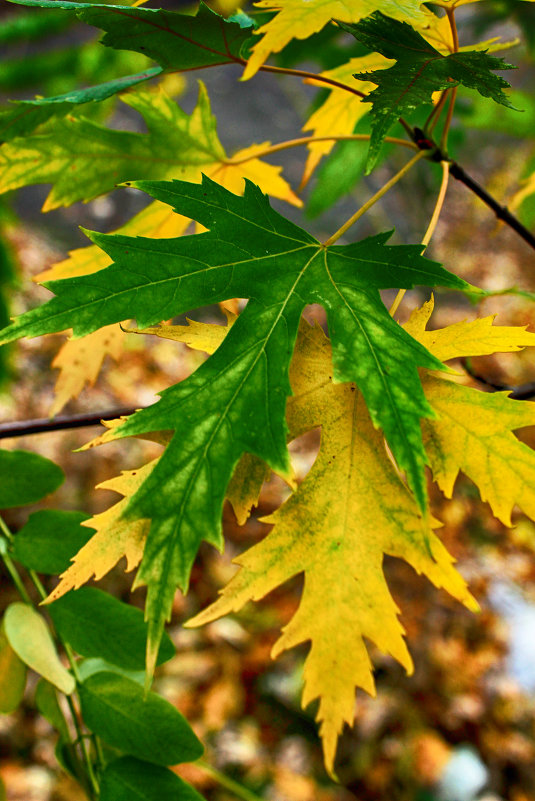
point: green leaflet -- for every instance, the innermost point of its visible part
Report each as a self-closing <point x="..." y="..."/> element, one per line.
<point x="235" y="402"/>
<point x="75" y="154"/>
<point x="420" y="70"/>
<point x="26" y="115"/>
<point x="176" y="41"/>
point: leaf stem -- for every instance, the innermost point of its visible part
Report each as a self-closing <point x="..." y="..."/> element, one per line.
<point x="378" y="195"/>
<point x="229" y="784"/>
<point x="433" y="118"/>
<point x="450" y="12"/>
<point x="430" y="228"/>
<point x="17" y="580"/>
<point x="311" y="76"/>
<point x="305" y="140"/>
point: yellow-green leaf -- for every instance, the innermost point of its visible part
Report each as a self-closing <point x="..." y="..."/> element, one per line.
<point x="350" y="511"/>
<point x="301" y="18"/>
<point x="114" y="537"/>
<point x="31" y="640"/>
<point x="473" y="430"/>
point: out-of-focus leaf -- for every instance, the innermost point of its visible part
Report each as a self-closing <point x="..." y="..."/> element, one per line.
<point x="96" y="624"/>
<point x="46" y="701"/>
<point x="138" y="723"/>
<point x="26" y="478"/>
<point x="128" y="778"/>
<point x="30" y="638"/>
<point x="12" y="676"/>
<point x="50" y="539"/>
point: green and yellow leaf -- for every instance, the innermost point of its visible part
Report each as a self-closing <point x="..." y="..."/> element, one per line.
<point x="301" y="18"/>
<point x="350" y="511"/>
<point x="114" y="539"/>
<point x="472" y="432"/>
<point x="80" y="360"/>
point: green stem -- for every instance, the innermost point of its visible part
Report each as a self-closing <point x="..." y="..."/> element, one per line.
<point x="229" y="784"/>
<point x="378" y="195"/>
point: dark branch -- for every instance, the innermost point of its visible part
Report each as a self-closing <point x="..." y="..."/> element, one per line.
<point x="22" y="428"/>
<point x="501" y="212"/>
<point x="520" y="392"/>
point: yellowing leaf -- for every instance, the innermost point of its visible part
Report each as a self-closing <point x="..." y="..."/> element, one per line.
<point x="475" y="338"/>
<point x="473" y="429"/>
<point x="351" y="509"/>
<point x="80" y="360"/>
<point x="199" y="336"/>
<point x="301" y="18"/>
<point x="339" y="114"/>
<point x="266" y="176"/>
<point x="474" y="434"/>
<point x="114" y="536"/>
<point x="157" y="221"/>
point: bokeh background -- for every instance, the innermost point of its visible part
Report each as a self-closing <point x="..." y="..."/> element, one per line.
<point x="463" y="725"/>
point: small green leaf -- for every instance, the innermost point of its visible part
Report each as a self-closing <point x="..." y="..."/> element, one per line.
<point x="46" y="701"/>
<point x="129" y="779"/>
<point x="146" y="726"/>
<point x="26" y="478"/>
<point x="96" y="624"/>
<point x="50" y="539"/>
<point x="12" y="676"/>
<point x="88" y="667"/>
<point x="30" y="638"/>
<point x="419" y="71"/>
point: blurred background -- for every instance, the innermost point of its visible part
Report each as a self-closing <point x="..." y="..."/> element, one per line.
<point x="463" y="726"/>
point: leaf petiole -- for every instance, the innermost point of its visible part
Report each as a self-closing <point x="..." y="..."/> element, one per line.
<point x="373" y="200"/>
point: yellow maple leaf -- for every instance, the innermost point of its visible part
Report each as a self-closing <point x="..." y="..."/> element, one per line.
<point x="341" y="111"/>
<point x="80" y="360"/>
<point x="114" y="536"/>
<point x="350" y="511"/>
<point x="157" y="221"/>
<point x="299" y="19"/>
<point x="473" y="430"/>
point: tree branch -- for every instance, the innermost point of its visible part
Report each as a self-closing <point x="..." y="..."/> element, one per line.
<point x="21" y="428"/>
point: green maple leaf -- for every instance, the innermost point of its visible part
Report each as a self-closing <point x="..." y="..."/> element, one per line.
<point x="176" y="41"/>
<point x="67" y="151"/>
<point x="235" y="402"/>
<point x="419" y="71"/>
<point x="27" y="115"/>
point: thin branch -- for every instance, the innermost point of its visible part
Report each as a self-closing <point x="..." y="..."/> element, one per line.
<point x="310" y="76"/>
<point x="501" y="212"/>
<point x="430" y="228"/>
<point x="306" y="140"/>
<point x="519" y="392"/>
<point x="21" y="428"/>
<point x="378" y="195"/>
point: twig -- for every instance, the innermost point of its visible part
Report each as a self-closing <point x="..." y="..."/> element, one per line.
<point x="430" y="228"/>
<point x="519" y="392"/>
<point x="306" y="140"/>
<point x="21" y="428"/>
<point x="378" y="195"/>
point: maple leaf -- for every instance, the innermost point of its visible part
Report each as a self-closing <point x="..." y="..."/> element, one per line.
<point x="235" y="401"/>
<point x="351" y="509"/>
<point x="473" y="430"/>
<point x="177" y="145"/>
<point x="113" y="538"/>
<point x="419" y="71"/>
<point x="176" y="41"/>
<point x="341" y="111"/>
<point x="301" y="18"/>
<point x="80" y="360"/>
<point x="27" y="115"/>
